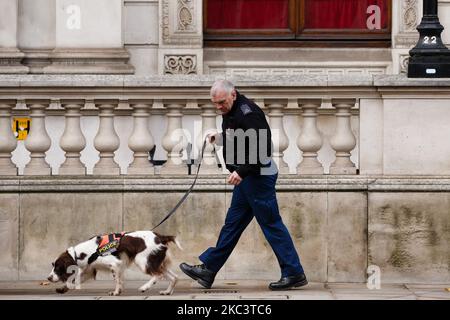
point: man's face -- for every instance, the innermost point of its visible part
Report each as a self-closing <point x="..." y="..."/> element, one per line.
<point x="223" y="101"/>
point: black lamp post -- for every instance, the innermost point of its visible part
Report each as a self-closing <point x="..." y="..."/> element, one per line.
<point x="430" y="58"/>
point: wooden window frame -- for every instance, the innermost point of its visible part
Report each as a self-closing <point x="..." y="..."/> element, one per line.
<point x="297" y="35"/>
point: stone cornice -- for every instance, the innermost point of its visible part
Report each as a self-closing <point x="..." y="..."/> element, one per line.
<point x="204" y="81"/>
<point x="126" y="87"/>
<point x="285" y="183"/>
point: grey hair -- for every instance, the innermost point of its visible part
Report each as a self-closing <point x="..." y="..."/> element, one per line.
<point x="222" y="84"/>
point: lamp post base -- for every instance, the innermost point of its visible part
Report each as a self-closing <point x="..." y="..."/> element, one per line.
<point x="430" y="58"/>
<point x="429" y="67"/>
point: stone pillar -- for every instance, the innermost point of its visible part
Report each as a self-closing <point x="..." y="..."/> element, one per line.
<point x="279" y="137"/>
<point x="174" y="141"/>
<point x="343" y="141"/>
<point x="10" y="56"/>
<point x="141" y="140"/>
<point x="181" y="37"/>
<point x="310" y="139"/>
<point x="38" y="141"/>
<point x="209" y="115"/>
<point x="8" y="143"/>
<point x="37" y="32"/>
<point x="72" y="141"/>
<point x="88" y="38"/>
<point x="106" y="141"/>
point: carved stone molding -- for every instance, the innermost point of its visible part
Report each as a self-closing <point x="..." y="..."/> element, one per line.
<point x="410" y="15"/>
<point x="179" y="23"/>
<point x="11" y="61"/>
<point x="175" y="64"/>
<point x="89" y="61"/>
<point x="409" y="19"/>
<point x="295" y="71"/>
<point x="165" y="20"/>
<point x="186" y="12"/>
<point x="407" y="40"/>
<point x="404" y="61"/>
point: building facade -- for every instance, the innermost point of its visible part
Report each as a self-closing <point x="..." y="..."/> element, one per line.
<point x="89" y="88"/>
<point x="150" y="37"/>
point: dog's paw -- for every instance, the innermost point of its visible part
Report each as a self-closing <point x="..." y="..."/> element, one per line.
<point x="114" y="293"/>
<point x="62" y="290"/>
<point x="143" y="289"/>
<point x="165" y="293"/>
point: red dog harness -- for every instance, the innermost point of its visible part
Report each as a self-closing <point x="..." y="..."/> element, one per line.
<point x="107" y="244"/>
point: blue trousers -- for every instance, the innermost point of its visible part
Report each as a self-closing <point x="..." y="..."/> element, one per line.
<point x="254" y="197"/>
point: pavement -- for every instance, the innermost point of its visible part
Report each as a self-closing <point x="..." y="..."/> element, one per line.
<point x="226" y="290"/>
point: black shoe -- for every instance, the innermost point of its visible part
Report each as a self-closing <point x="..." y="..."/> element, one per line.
<point x="199" y="272"/>
<point x="289" y="282"/>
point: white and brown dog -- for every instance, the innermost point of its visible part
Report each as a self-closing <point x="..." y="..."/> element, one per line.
<point x="116" y="252"/>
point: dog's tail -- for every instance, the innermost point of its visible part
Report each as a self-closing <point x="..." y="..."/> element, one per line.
<point x="166" y="239"/>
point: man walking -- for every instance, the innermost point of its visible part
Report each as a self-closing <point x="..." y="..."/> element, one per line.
<point x="254" y="175"/>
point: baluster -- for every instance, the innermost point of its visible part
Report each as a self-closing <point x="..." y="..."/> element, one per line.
<point x="72" y="141"/>
<point x="279" y="136"/>
<point x="174" y="140"/>
<point x="106" y="141"/>
<point x="141" y="140"/>
<point x="209" y="115"/>
<point x="8" y="143"/>
<point x="310" y="139"/>
<point x="343" y="141"/>
<point x="38" y="141"/>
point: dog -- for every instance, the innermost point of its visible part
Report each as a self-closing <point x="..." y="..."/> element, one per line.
<point x="115" y="253"/>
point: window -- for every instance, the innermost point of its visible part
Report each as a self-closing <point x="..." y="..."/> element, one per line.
<point x="297" y="22"/>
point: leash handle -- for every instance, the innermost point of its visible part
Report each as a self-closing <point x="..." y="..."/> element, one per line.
<point x="187" y="193"/>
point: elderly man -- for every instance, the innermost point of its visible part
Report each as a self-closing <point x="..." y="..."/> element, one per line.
<point x="253" y="174"/>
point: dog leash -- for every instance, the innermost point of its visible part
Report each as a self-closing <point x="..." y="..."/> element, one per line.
<point x="187" y="192"/>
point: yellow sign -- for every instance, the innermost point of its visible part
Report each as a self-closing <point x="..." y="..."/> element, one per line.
<point x="21" y="127"/>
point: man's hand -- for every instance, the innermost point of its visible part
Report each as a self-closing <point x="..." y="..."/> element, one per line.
<point x="211" y="137"/>
<point x="234" y="178"/>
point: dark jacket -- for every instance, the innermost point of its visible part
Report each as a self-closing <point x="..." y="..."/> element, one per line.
<point x="246" y="131"/>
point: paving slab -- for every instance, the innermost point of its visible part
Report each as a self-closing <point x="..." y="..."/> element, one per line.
<point x="312" y="295"/>
<point x="46" y="297"/>
<point x="215" y="297"/>
<point x="264" y="296"/>
<point x="408" y="297"/>
<point x="432" y="294"/>
<point x="427" y="286"/>
<point x="122" y="297"/>
<point x="224" y="290"/>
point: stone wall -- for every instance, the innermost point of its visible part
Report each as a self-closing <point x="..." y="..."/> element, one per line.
<point x="340" y="225"/>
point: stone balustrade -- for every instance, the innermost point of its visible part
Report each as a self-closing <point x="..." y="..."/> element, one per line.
<point x="109" y="117"/>
<point x="174" y="142"/>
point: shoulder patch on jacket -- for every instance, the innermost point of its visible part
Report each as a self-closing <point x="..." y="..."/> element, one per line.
<point x="245" y="108"/>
